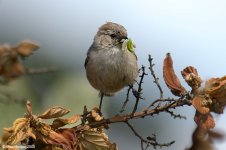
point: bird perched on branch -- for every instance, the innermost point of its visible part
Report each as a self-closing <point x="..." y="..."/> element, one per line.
<point x="111" y="63"/>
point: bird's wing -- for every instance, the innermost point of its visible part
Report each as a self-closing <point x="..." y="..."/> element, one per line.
<point x="86" y="61"/>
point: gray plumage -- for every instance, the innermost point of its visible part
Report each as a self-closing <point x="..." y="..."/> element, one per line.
<point x="109" y="68"/>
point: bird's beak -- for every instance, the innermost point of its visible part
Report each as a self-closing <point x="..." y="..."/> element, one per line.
<point x="123" y="39"/>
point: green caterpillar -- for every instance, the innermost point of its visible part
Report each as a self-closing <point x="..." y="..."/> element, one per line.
<point x="130" y="46"/>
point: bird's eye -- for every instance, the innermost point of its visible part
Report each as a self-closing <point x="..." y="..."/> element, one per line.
<point x="113" y="35"/>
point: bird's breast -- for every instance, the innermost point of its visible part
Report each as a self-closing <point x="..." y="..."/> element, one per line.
<point x="111" y="70"/>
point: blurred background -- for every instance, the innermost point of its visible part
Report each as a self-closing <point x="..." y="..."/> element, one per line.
<point x="192" y="31"/>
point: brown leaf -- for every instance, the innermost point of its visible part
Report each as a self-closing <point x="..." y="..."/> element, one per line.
<point x="94" y="140"/>
<point x="69" y="134"/>
<point x="200" y="140"/>
<point x="13" y="69"/>
<point x="190" y="74"/>
<point x="170" y="77"/>
<point x="26" y="48"/>
<point x="51" y="137"/>
<point x="206" y="121"/>
<point x="59" y="122"/>
<point x="215" y="87"/>
<point x="95" y="113"/>
<point x="217" y="135"/>
<point x="18" y="132"/>
<point x="28" y="106"/>
<point x="198" y="103"/>
<point x="54" y="112"/>
<point x="7" y="132"/>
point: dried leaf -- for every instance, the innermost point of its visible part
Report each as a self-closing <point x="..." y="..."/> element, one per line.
<point x="31" y="133"/>
<point x="200" y="140"/>
<point x="20" y="123"/>
<point x="95" y="113"/>
<point x="18" y="132"/>
<point x="13" y="69"/>
<point x="94" y="140"/>
<point x="54" y="112"/>
<point x="59" y="122"/>
<point x="69" y="134"/>
<point x="51" y="137"/>
<point x="7" y="132"/>
<point x="215" y="87"/>
<point x="28" y="106"/>
<point x="198" y="103"/>
<point x="170" y="77"/>
<point x="26" y="48"/>
<point x="190" y="74"/>
<point x="206" y="121"/>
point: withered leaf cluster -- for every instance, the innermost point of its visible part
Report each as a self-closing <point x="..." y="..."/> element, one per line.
<point x="32" y="128"/>
<point x="204" y="139"/>
<point x="207" y="99"/>
<point x="10" y="65"/>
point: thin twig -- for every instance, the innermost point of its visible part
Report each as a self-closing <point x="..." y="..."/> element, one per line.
<point x="160" y="100"/>
<point x="156" y="79"/>
<point x="176" y="115"/>
<point x="12" y="99"/>
<point x="127" y="98"/>
<point x="149" y="141"/>
<point x="31" y="71"/>
<point x="135" y="132"/>
<point x="138" y="96"/>
<point x="142" y="145"/>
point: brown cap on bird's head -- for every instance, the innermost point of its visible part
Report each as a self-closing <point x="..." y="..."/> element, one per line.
<point x="113" y="29"/>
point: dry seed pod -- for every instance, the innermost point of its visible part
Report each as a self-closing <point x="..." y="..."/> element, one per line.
<point x="26" y="48"/>
<point x="206" y="122"/>
<point x="198" y="103"/>
<point x="170" y="77"/>
<point x="215" y="87"/>
<point x="190" y="74"/>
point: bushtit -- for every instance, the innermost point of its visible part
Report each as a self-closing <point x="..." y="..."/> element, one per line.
<point x="111" y="63"/>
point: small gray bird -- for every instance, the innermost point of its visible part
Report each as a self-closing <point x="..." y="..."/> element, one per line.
<point x="111" y="63"/>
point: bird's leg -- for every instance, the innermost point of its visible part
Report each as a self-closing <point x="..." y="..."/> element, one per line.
<point x="101" y="99"/>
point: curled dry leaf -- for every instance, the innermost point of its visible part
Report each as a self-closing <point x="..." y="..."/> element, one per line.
<point x="54" y="112"/>
<point x="12" y="69"/>
<point x="18" y="132"/>
<point x="59" y="122"/>
<point x="51" y="137"/>
<point x="201" y="104"/>
<point x="26" y="48"/>
<point x="215" y="87"/>
<point x="206" y="121"/>
<point x="7" y="132"/>
<point x="94" y="140"/>
<point x="204" y="140"/>
<point x="170" y="77"/>
<point x="95" y="113"/>
<point x="190" y="74"/>
<point x="10" y="66"/>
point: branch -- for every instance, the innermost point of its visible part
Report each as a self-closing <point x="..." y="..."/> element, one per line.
<point x="175" y="115"/>
<point x="156" y="79"/>
<point x="127" y="98"/>
<point x="12" y="99"/>
<point x="142" y="114"/>
<point x="149" y="141"/>
<point x="160" y="100"/>
<point x="138" y="92"/>
<point x="31" y="71"/>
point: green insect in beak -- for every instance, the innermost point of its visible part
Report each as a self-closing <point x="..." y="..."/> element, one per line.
<point x="130" y="45"/>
